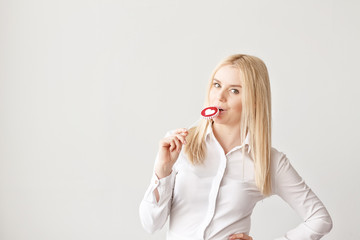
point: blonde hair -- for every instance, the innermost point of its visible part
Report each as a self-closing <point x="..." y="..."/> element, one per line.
<point x="255" y="118"/>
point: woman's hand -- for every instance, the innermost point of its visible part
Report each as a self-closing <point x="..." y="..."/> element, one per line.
<point x="169" y="150"/>
<point x="240" y="236"/>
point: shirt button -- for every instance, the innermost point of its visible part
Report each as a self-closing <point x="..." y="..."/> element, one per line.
<point x="156" y="181"/>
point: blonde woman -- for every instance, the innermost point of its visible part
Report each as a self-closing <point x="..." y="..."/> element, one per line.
<point x="208" y="179"/>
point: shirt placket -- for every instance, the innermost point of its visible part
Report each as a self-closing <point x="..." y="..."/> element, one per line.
<point x="213" y="195"/>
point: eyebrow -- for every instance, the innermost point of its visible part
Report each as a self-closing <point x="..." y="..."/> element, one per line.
<point x="216" y="80"/>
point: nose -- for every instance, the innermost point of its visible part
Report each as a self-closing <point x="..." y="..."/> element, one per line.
<point x="221" y="96"/>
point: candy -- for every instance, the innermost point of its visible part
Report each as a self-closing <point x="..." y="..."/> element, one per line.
<point x="210" y="112"/>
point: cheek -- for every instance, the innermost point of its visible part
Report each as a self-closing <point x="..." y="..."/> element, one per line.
<point x="238" y="105"/>
<point x="239" y="109"/>
<point x="211" y="97"/>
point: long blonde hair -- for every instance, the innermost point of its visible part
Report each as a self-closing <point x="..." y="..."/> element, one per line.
<point x="255" y="118"/>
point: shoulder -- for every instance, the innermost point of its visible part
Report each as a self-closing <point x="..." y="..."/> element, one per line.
<point x="277" y="157"/>
<point x="282" y="172"/>
<point x="279" y="161"/>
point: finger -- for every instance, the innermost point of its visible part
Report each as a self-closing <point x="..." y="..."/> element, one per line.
<point x="182" y="131"/>
<point x="241" y="236"/>
<point x="164" y="143"/>
<point x="172" y="145"/>
<point x="181" y="138"/>
<point x="178" y="144"/>
<point x="238" y="236"/>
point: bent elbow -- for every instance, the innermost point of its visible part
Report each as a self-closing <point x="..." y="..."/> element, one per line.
<point x="328" y="225"/>
<point x="152" y="225"/>
<point x="149" y="228"/>
<point x="147" y="219"/>
<point x="321" y="225"/>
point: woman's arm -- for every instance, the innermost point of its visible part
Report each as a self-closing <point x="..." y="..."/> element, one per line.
<point x="155" y="206"/>
<point x="288" y="184"/>
<point x="154" y="210"/>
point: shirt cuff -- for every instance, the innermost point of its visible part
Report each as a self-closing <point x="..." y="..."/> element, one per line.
<point x="164" y="186"/>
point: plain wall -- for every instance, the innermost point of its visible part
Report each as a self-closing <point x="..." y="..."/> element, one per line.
<point x="88" y="88"/>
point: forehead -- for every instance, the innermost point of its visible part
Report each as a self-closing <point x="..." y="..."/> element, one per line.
<point x="228" y="75"/>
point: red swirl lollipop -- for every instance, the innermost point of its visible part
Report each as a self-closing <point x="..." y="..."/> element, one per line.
<point x="210" y="112"/>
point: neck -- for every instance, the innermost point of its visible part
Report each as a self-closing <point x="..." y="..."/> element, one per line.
<point x="227" y="136"/>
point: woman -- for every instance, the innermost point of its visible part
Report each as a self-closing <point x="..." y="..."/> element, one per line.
<point x="209" y="178"/>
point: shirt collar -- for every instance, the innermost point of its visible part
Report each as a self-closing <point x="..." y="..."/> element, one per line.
<point x="209" y="131"/>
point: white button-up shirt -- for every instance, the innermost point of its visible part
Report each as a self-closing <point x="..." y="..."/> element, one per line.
<point x="213" y="200"/>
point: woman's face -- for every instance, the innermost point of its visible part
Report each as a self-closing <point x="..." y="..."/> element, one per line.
<point x="226" y="94"/>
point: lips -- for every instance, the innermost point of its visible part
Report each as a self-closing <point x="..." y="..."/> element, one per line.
<point x="221" y="109"/>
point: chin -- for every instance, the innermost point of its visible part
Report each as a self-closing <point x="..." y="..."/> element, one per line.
<point x="219" y="121"/>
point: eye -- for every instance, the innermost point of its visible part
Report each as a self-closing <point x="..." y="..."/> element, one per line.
<point x="216" y="85"/>
<point x="235" y="91"/>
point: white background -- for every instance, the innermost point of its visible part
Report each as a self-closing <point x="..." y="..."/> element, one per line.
<point x="87" y="89"/>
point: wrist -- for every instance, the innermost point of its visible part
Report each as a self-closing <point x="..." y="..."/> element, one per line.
<point x="163" y="171"/>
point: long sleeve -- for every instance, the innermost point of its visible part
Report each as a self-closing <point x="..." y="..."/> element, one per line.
<point x="153" y="214"/>
<point x="292" y="189"/>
